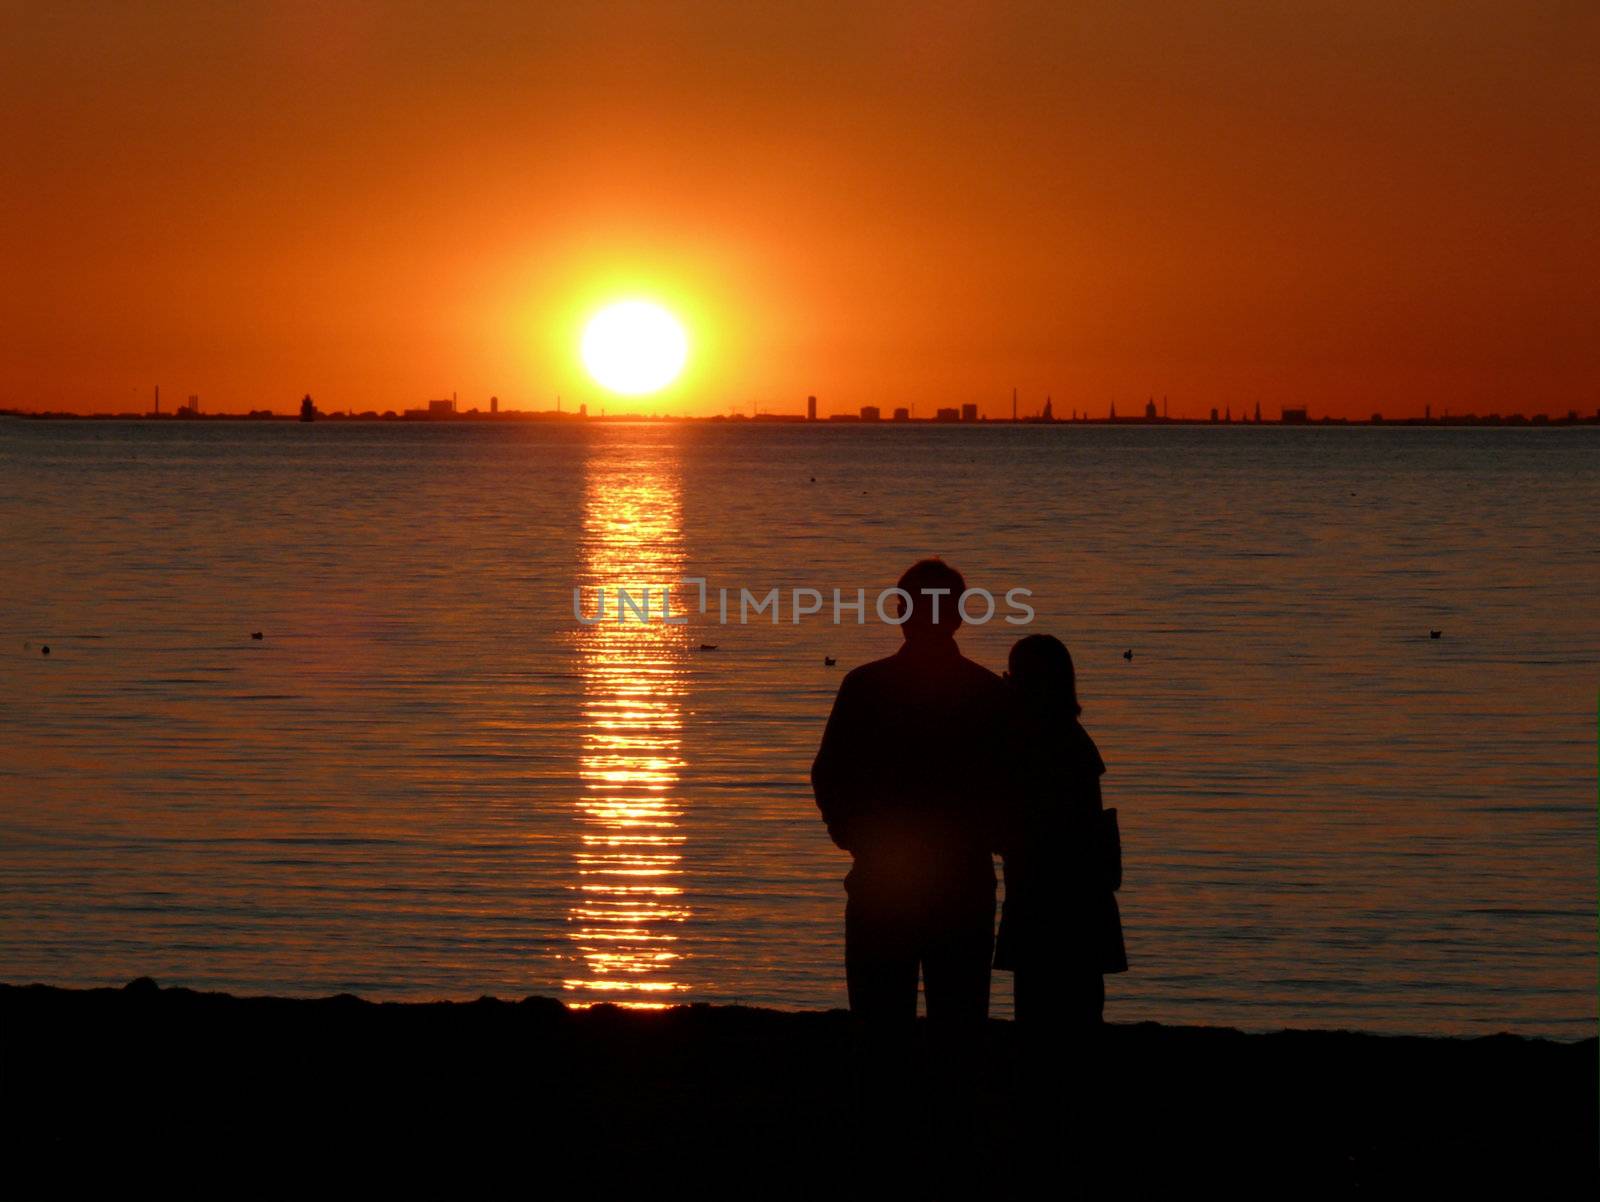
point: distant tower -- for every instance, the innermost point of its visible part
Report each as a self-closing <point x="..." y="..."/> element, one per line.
<point x="811" y="409"/>
<point x="1113" y="415"/>
<point x="1049" y="413"/>
<point x="1427" y="413"/>
<point x="1230" y="414"/>
<point x="158" y="400"/>
<point x="1258" y="411"/>
<point x="1150" y="409"/>
<point x="494" y="404"/>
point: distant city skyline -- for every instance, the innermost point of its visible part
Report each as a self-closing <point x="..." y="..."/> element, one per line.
<point x="967" y="414"/>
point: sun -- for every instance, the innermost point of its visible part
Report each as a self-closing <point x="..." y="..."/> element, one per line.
<point x="634" y="347"/>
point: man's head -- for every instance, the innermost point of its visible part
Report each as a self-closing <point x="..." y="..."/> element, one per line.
<point x="930" y="583"/>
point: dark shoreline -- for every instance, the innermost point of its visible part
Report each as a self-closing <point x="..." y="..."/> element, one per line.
<point x="174" y="1092"/>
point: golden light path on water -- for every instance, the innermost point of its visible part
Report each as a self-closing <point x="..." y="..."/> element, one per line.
<point x="629" y="896"/>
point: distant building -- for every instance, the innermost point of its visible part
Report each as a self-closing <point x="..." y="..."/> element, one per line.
<point x="902" y="415"/>
<point x="947" y="415"/>
<point x="494" y="404"/>
<point x="871" y="413"/>
<point x="1213" y="415"/>
<point x="969" y="413"/>
<point x="1294" y="417"/>
<point x="1258" y="411"/>
<point x="441" y="408"/>
<point x="1150" y="410"/>
<point x="811" y="409"/>
<point x="1377" y="419"/>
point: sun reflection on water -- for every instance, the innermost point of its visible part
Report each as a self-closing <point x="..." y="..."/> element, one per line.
<point x="629" y="897"/>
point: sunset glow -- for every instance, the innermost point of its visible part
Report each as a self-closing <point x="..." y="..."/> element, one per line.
<point x="634" y="348"/>
<point x="874" y="205"/>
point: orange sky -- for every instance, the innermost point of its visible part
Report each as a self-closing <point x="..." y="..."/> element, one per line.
<point x="1355" y="206"/>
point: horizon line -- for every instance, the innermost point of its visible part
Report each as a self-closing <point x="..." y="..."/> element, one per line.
<point x="1293" y="416"/>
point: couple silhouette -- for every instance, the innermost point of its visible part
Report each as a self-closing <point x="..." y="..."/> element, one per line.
<point x="930" y="764"/>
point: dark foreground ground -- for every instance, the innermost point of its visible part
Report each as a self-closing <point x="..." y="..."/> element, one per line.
<point x="164" y="1092"/>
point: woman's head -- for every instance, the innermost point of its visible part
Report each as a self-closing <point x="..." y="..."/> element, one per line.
<point x="1040" y="668"/>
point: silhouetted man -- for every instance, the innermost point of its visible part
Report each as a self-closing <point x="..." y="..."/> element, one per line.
<point x="909" y="779"/>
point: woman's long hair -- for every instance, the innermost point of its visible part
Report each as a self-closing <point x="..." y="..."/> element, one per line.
<point x="1040" y="669"/>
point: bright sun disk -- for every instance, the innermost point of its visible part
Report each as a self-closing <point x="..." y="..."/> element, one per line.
<point x="634" y="347"/>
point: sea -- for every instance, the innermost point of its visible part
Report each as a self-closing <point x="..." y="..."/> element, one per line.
<point x="323" y="713"/>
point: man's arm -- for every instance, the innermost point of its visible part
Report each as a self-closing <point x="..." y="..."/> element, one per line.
<point x="836" y="772"/>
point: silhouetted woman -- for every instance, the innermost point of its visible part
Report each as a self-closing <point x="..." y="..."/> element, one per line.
<point x="1060" y="930"/>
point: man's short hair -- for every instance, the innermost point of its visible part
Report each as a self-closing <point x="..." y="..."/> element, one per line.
<point x="927" y="574"/>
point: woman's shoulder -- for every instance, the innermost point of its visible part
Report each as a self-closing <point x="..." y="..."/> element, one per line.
<point x="1081" y="747"/>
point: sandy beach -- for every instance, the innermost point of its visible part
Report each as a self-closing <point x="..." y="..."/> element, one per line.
<point x="180" y="1093"/>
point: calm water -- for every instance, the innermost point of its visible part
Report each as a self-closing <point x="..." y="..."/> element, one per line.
<point x="429" y="780"/>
